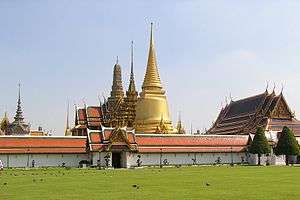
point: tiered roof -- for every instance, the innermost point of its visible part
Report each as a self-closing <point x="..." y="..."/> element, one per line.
<point x="88" y="117"/>
<point x="245" y="115"/>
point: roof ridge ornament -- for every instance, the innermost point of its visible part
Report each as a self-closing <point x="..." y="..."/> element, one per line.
<point x="230" y="97"/>
<point x="267" y="87"/>
<point x="274" y="87"/>
<point x="282" y="86"/>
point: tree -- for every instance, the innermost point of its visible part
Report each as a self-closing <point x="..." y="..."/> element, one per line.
<point x="260" y="144"/>
<point x="287" y="144"/>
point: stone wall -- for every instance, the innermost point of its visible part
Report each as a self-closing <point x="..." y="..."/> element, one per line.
<point x="151" y="159"/>
<point x="42" y="160"/>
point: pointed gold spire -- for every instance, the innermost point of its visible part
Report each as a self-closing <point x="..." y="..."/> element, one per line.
<point x="152" y="79"/>
<point x="152" y="112"/>
<point x="68" y="130"/>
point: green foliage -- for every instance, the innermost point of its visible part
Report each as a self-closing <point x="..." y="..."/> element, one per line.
<point x="287" y="143"/>
<point x="260" y="143"/>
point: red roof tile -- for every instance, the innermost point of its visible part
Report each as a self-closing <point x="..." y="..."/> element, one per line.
<point x="38" y="144"/>
<point x="95" y="137"/>
<point x="191" y="150"/>
<point x="209" y="140"/>
<point x="49" y="150"/>
<point x="94" y="111"/>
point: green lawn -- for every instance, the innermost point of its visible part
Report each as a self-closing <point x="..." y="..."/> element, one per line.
<point x="234" y="183"/>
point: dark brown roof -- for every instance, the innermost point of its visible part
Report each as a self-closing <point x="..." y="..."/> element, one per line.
<point x="245" y="106"/>
<point x="245" y="115"/>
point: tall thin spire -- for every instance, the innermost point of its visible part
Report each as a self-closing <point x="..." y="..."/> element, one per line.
<point x="131" y="88"/>
<point x="67" y="121"/>
<point x="19" y="113"/>
<point x="152" y="79"/>
<point x="179" y="127"/>
<point x="68" y="131"/>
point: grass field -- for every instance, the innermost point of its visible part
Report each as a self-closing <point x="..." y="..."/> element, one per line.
<point x="213" y="182"/>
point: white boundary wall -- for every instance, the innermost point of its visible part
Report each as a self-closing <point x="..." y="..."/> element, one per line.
<point x="149" y="159"/>
<point x="271" y="159"/>
<point x="42" y="160"/>
<point x="129" y="159"/>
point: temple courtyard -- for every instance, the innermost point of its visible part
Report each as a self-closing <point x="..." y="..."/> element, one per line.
<point x="201" y="182"/>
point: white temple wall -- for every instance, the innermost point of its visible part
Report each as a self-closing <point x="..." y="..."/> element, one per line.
<point x="42" y="160"/>
<point x="149" y="159"/>
<point x="272" y="159"/>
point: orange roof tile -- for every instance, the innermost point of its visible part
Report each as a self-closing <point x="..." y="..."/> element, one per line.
<point x="175" y="149"/>
<point x="37" y="144"/>
<point x="94" y="111"/>
<point x="209" y="140"/>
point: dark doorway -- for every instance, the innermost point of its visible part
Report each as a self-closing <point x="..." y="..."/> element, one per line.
<point x="116" y="160"/>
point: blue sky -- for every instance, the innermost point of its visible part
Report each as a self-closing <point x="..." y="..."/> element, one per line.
<point x="206" y="50"/>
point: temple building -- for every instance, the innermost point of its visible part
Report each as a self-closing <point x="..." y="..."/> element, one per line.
<point x="266" y="110"/>
<point x="146" y="113"/>
<point x="18" y="126"/>
<point x="133" y="130"/>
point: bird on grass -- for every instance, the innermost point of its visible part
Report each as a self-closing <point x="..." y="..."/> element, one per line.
<point x="136" y="186"/>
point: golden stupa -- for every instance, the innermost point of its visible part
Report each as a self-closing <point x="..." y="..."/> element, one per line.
<point x="152" y="112"/>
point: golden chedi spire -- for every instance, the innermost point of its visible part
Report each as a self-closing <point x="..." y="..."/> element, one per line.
<point x="152" y="103"/>
<point x="152" y="79"/>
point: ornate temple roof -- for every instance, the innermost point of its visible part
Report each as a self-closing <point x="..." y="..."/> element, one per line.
<point x="88" y="117"/>
<point x="245" y="115"/>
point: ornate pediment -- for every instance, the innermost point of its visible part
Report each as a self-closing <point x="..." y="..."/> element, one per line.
<point x="281" y="110"/>
<point x="119" y="138"/>
<point x="118" y="135"/>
